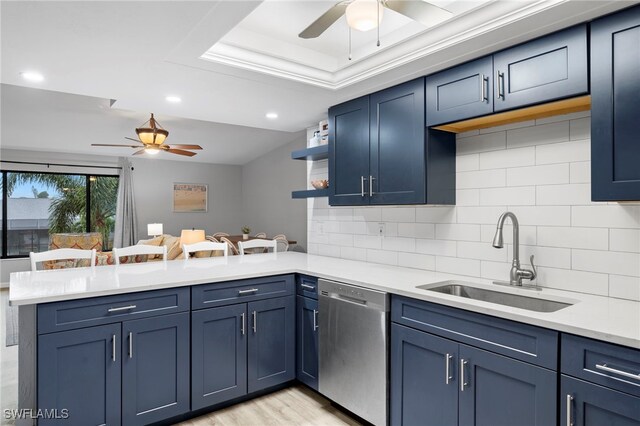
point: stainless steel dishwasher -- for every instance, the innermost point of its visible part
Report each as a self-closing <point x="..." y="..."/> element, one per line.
<point x="353" y="327"/>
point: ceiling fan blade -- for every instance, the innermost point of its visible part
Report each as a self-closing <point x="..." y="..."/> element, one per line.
<point x="132" y="139"/>
<point x="142" y="151"/>
<point x="185" y="146"/>
<point x="106" y="144"/>
<point x="321" y="24"/>
<point x="181" y="152"/>
<point x="420" y="11"/>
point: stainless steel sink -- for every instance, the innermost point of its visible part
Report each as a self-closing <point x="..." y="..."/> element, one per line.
<point x="497" y="297"/>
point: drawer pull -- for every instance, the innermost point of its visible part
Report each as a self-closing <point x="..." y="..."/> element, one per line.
<point x="307" y="286"/>
<point x="463" y="379"/>
<point x="315" y="319"/>
<point x="447" y="368"/>
<point x="130" y="344"/>
<point x="604" y="367"/>
<point x="569" y="407"/>
<point x="113" y="348"/>
<point x="122" y="308"/>
<point x="242" y="325"/>
<point x="255" y="322"/>
<point x="249" y="291"/>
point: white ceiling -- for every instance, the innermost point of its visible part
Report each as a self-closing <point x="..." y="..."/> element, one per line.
<point x="137" y="53"/>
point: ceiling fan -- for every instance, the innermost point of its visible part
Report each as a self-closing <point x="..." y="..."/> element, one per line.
<point x="365" y="15"/>
<point x="152" y="138"/>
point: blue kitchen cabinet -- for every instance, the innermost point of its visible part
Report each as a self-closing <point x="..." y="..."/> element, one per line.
<point x="80" y="371"/>
<point x="349" y="152"/>
<point x="218" y="355"/>
<point x="424" y="382"/>
<point x="615" y="90"/>
<point x="155" y="368"/>
<point x="307" y="341"/>
<point x="587" y="404"/>
<point x="461" y="92"/>
<point x="271" y="345"/>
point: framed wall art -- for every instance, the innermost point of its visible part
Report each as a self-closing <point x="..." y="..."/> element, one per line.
<point x="190" y="197"/>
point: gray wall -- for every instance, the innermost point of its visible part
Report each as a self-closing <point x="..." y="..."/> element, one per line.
<point x="267" y="183"/>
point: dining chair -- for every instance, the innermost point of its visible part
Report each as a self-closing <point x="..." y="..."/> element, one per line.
<point x="62" y="254"/>
<point x="138" y="249"/>
<point x="282" y="244"/>
<point x="232" y="247"/>
<point x="243" y="246"/>
<point x="261" y="235"/>
<point x="187" y="249"/>
<point x="217" y="235"/>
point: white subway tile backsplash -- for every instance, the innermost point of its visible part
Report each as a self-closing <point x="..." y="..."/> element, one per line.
<point x="541" y="172"/>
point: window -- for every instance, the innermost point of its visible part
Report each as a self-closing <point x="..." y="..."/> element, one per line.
<point x="35" y="205"/>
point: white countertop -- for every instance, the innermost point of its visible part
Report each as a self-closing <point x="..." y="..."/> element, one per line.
<point x="603" y="318"/>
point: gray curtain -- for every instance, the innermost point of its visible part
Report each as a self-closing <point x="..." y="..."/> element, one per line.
<point x="126" y="229"/>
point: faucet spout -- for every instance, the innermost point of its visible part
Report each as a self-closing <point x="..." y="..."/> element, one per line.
<point x="516" y="274"/>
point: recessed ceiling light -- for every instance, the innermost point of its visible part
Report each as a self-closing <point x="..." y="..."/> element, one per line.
<point x="173" y="99"/>
<point x="32" y="76"/>
<point x="271" y="115"/>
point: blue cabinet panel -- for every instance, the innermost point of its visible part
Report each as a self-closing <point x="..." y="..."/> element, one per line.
<point x="307" y="341"/>
<point x="225" y="293"/>
<point x="349" y="152"/>
<point x="271" y="345"/>
<point x="397" y="156"/>
<point x="615" y="90"/>
<point x="155" y="368"/>
<point x="546" y="69"/>
<point x="307" y="286"/>
<point x="420" y="390"/>
<point x="80" y="371"/>
<point x="461" y="92"/>
<point x="498" y="391"/>
<point x="218" y="355"/>
<point x="587" y="404"/>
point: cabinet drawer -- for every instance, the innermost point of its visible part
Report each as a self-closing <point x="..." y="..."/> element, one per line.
<point x="520" y="341"/>
<point x="307" y="286"/>
<point x="602" y="363"/>
<point x="59" y="316"/>
<point x="219" y="294"/>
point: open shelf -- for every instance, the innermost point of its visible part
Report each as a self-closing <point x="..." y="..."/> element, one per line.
<point x="320" y="152"/>
<point x="310" y="193"/>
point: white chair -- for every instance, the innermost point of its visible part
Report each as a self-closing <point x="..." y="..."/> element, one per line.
<point x="139" y="249"/>
<point x="282" y="244"/>
<point x="231" y="246"/>
<point x="243" y="246"/>
<point x="187" y="249"/>
<point x="217" y="235"/>
<point x="261" y="235"/>
<point x="62" y="254"/>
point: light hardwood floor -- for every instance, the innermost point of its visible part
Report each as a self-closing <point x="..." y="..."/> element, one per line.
<point x="297" y="405"/>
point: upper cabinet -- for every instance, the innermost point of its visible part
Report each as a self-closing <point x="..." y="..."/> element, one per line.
<point x="615" y="93"/>
<point x="381" y="153"/>
<point x="542" y="70"/>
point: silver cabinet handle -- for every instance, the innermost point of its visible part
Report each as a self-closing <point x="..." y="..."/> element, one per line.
<point x="371" y="179"/>
<point x="484" y="88"/>
<point x="463" y="379"/>
<point x="362" y="178"/>
<point x="315" y="319"/>
<point x="249" y="291"/>
<point x="310" y="287"/>
<point x="113" y="348"/>
<point x="569" y="407"/>
<point x="130" y="345"/>
<point x="447" y="368"/>
<point x="608" y="369"/>
<point x="500" y="84"/>
<point x="122" y="308"/>
<point x="255" y="322"/>
<point x="242" y="319"/>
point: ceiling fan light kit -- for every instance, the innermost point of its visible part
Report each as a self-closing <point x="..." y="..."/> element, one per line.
<point x="364" y="15"/>
<point x="152" y="135"/>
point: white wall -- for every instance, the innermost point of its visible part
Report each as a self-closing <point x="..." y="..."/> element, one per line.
<point x="267" y="183"/>
<point x="540" y="170"/>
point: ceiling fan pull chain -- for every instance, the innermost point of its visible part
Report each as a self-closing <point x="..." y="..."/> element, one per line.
<point x="349" y="43"/>
<point x="378" y="6"/>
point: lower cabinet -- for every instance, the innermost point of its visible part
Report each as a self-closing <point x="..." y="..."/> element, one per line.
<point x="307" y="341"/>
<point x="437" y="381"/>
<point x="240" y="349"/>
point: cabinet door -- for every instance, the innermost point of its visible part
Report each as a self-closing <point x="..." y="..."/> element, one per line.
<point x="549" y="68"/>
<point x="218" y="355"/>
<point x="307" y="341"/>
<point x="586" y="404"/>
<point x="349" y="153"/>
<point x="461" y="92"/>
<point x="397" y="134"/>
<point x="502" y="391"/>
<point x="271" y="345"/>
<point x="155" y="368"/>
<point x="615" y="90"/>
<point x="80" y="371"/>
<point x="421" y="389"/>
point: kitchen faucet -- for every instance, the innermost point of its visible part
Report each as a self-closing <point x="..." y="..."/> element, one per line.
<point x="516" y="274"/>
